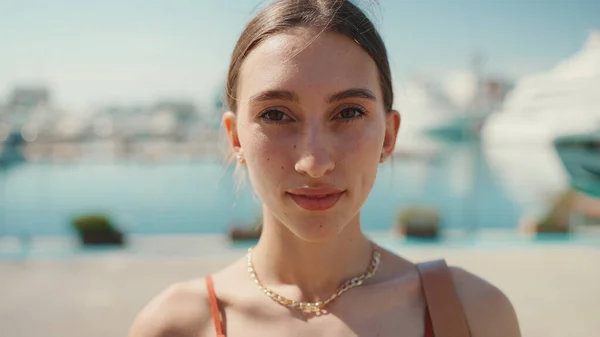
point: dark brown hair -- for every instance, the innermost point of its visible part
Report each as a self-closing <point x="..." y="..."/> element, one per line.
<point x="339" y="16"/>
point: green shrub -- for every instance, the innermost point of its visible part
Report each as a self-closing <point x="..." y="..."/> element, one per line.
<point x="94" y="223"/>
<point x="419" y="216"/>
<point x="97" y="229"/>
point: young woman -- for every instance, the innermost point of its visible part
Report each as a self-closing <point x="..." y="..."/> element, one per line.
<point x="310" y="119"/>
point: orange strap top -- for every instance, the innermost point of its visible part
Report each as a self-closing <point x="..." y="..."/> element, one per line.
<point x="444" y="315"/>
<point x="214" y="306"/>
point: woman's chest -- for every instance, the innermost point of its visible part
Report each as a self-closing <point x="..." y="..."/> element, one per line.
<point x="359" y="321"/>
<point x="390" y="309"/>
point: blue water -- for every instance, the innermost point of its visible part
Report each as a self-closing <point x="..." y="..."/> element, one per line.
<point x="199" y="197"/>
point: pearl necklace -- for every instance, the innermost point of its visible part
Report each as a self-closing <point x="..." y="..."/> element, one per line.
<point x="316" y="308"/>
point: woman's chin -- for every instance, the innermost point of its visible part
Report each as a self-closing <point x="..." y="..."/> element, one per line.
<point x="313" y="231"/>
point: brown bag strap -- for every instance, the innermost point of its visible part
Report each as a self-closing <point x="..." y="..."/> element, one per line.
<point x="444" y="306"/>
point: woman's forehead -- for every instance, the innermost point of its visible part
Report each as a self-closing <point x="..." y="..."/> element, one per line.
<point x="307" y="63"/>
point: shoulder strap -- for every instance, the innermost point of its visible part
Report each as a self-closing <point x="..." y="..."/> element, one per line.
<point x="214" y="306"/>
<point x="428" y="326"/>
<point x="443" y="305"/>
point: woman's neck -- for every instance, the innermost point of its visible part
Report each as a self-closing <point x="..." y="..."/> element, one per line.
<point x="316" y="269"/>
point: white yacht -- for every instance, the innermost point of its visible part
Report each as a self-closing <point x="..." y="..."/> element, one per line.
<point x="423" y="106"/>
<point x="518" y="138"/>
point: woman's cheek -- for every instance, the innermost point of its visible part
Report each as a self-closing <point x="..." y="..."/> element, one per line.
<point x="271" y="154"/>
<point x="356" y="145"/>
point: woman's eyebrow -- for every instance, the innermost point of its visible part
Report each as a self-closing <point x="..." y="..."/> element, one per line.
<point x="352" y="93"/>
<point x="272" y="95"/>
<point x="286" y="95"/>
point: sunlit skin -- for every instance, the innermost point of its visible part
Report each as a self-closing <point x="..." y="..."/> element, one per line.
<point x="307" y="121"/>
<point x="311" y="120"/>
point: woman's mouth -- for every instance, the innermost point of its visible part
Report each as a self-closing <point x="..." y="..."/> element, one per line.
<point x="317" y="198"/>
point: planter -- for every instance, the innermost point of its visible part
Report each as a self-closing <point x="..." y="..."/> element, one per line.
<point x="97" y="230"/>
<point x="551" y="229"/>
<point x="239" y="233"/>
<point x="419" y="223"/>
<point x="102" y="238"/>
<point x="558" y="219"/>
<point x="246" y="232"/>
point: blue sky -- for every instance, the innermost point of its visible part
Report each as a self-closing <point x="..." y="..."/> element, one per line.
<point x="118" y="51"/>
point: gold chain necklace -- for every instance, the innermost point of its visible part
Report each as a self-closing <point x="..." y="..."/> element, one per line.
<point x="316" y="308"/>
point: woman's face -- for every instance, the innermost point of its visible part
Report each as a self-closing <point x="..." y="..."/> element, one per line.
<point x="312" y="129"/>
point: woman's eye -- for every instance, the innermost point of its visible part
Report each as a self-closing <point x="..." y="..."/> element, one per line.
<point x="350" y="113"/>
<point x="274" y="115"/>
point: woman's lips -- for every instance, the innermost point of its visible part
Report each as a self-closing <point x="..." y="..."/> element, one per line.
<point x="316" y="199"/>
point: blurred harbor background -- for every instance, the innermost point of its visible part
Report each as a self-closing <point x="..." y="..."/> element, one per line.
<point x="110" y="116"/>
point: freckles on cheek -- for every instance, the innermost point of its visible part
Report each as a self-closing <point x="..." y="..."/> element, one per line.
<point x="271" y="151"/>
<point x="269" y="158"/>
<point x="354" y="147"/>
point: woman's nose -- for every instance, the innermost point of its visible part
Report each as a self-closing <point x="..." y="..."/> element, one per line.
<point x="315" y="153"/>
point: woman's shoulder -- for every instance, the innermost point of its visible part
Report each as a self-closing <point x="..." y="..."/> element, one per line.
<point x="488" y="310"/>
<point x="181" y="310"/>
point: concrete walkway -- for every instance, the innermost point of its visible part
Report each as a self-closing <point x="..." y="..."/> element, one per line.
<point x="555" y="289"/>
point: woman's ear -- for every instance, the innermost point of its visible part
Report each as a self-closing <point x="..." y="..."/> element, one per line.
<point x="392" y="125"/>
<point x="229" y="121"/>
